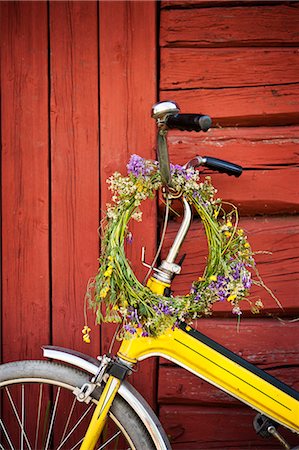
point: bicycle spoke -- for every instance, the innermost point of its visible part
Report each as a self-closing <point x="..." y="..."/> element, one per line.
<point x="40" y="411"/>
<point x="110" y="440"/>
<point x="52" y="419"/>
<point x="18" y="417"/>
<point x="6" y="434"/>
<point x="78" y="443"/>
<point x="68" y="421"/>
<point x="75" y="427"/>
<point x="23" y="416"/>
<point x="38" y="415"/>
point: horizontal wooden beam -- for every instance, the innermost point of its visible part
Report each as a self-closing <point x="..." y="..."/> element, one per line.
<point x="190" y="68"/>
<point x="207" y="428"/>
<point x="269" y="157"/>
<point x="217" y="3"/>
<point x="226" y="26"/>
<point x="176" y="385"/>
<point x="274" y="105"/>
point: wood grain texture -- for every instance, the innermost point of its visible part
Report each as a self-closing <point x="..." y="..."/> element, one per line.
<point x="199" y="4"/>
<point x="269" y="157"/>
<point x="189" y="68"/>
<point x="237" y="62"/>
<point x="25" y="203"/>
<point x="279" y="270"/>
<point x="232" y="27"/>
<point x="128" y="90"/>
<point x="75" y="166"/>
<point x="274" y="105"/>
<point x="177" y="386"/>
<point x="208" y="428"/>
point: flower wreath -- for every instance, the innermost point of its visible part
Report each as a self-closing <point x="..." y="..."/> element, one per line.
<point x="227" y="276"/>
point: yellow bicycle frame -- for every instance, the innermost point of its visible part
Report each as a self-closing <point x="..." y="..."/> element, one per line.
<point x="210" y="361"/>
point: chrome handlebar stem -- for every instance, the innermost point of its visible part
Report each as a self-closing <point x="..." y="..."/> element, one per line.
<point x="168" y="268"/>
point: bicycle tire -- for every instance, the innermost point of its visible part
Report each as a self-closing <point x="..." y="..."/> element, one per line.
<point x="27" y="379"/>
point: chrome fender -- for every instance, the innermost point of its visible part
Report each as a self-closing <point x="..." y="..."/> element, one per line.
<point x="126" y="391"/>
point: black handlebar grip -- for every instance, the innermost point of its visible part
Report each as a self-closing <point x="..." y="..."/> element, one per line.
<point x="222" y="166"/>
<point x="189" y="122"/>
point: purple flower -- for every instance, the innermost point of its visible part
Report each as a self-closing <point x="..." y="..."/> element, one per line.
<point x="129" y="237"/>
<point x="130" y="328"/>
<point x="236" y="310"/>
<point x="164" y="308"/>
<point x="137" y="166"/>
<point x="175" y="325"/>
<point x="177" y="169"/>
<point x="246" y="280"/>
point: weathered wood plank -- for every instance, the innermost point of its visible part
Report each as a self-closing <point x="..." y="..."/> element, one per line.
<point x="176" y="385"/>
<point x="128" y="90"/>
<point x="211" y="428"/>
<point x="216" y="3"/>
<point x="243" y="106"/>
<point x="25" y="203"/>
<point x="75" y="166"/>
<point x="269" y="157"/>
<point x="189" y="68"/>
<point x="255" y="148"/>
<point x="279" y="270"/>
<point x="226" y="26"/>
<point x="265" y="191"/>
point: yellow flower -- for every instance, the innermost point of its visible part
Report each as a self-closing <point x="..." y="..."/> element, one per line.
<point x="108" y="272"/>
<point x="139" y="186"/>
<point x="115" y="307"/>
<point x="240" y="232"/>
<point x="229" y="224"/>
<point x="86" y="329"/>
<point x="86" y="338"/>
<point x="110" y="258"/>
<point x="213" y="278"/>
<point x="104" y="292"/>
<point x="200" y="279"/>
<point x="231" y="297"/>
<point x="246" y="245"/>
<point x="227" y="233"/>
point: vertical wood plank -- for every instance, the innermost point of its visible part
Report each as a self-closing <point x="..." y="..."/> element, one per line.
<point x="75" y="166"/>
<point x="128" y="89"/>
<point x="24" y="114"/>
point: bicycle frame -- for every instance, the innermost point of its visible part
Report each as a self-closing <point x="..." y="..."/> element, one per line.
<point x="219" y="366"/>
<point x="193" y="350"/>
<point x="211" y="362"/>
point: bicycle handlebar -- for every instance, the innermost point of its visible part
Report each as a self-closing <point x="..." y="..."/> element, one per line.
<point x="167" y="115"/>
<point x="189" y="122"/>
<point x="217" y="164"/>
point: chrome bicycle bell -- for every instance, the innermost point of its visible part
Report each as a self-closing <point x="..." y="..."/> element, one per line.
<point x="161" y="110"/>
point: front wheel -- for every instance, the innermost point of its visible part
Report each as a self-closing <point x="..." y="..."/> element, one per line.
<point x="40" y="411"/>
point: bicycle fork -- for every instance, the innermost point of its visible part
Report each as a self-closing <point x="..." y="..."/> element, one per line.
<point x="100" y="414"/>
<point x="115" y="371"/>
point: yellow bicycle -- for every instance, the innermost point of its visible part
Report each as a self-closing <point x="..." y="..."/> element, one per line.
<point x="87" y="403"/>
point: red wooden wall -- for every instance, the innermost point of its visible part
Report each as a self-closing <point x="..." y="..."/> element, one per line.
<point x="238" y="62"/>
<point x="77" y="83"/>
